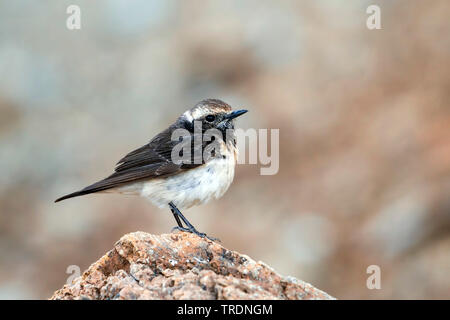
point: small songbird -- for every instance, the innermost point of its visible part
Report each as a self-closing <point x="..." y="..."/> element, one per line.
<point x="153" y="172"/>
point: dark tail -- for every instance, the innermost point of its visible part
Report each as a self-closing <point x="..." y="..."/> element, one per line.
<point x="71" y="195"/>
<point x="96" y="187"/>
<point x="113" y="181"/>
<point x="75" y="194"/>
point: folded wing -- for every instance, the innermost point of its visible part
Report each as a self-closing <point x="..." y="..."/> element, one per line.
<point x="147" y="162"/>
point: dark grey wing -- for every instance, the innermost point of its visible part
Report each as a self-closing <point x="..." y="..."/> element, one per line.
<point x="149" y="161"/>
<point x="156" y="152"/>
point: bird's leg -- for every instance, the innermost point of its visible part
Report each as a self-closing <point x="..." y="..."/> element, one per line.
<point x="177" y="218"/>
<point x="190" y="228"/>
<point x="177" y="214"/>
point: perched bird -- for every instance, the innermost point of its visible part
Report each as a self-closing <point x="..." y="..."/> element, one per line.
<point x="154" y="171"/>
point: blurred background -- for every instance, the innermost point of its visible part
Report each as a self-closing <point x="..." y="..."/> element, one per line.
<point x="363" y="115"/>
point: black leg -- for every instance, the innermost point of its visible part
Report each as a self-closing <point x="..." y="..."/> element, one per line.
<point x="177" y="218"/>
<point x="190" y="228"/>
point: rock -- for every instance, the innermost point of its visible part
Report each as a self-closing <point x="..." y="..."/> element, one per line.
<point x="181" y="266"/>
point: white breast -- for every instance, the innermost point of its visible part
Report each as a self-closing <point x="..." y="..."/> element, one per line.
<point x="192" y="187"/>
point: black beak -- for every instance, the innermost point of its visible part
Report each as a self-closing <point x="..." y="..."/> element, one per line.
<point x="235" y="114"/>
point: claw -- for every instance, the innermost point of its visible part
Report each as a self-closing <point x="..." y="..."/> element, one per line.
<point x="180" y="229"/>
<point x="190" y="228"/>
<point x="194" y="231"/>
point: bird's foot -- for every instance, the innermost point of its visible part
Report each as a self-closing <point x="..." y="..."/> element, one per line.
<point x="194" y="231"/>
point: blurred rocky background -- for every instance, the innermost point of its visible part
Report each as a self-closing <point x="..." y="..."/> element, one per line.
<point x="363" y="115"/>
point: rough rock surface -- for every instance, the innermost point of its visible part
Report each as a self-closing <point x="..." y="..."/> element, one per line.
<point x="181" y="266"/>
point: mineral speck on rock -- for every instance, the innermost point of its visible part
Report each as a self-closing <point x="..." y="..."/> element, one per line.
<point x="181" y="266"/>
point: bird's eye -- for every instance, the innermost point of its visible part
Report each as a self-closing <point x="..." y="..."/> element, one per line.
<point x="210" y="118"/>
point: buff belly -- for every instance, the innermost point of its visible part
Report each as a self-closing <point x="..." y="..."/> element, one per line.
<point x="192" y="187"/>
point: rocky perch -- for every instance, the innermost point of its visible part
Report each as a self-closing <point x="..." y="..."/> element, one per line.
<point x="181" y="266"/>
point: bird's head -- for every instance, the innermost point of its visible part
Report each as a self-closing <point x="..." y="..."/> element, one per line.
<point x="211" y="113"/>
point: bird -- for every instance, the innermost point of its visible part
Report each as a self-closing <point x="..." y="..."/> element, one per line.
<point x="187" y="164"/>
